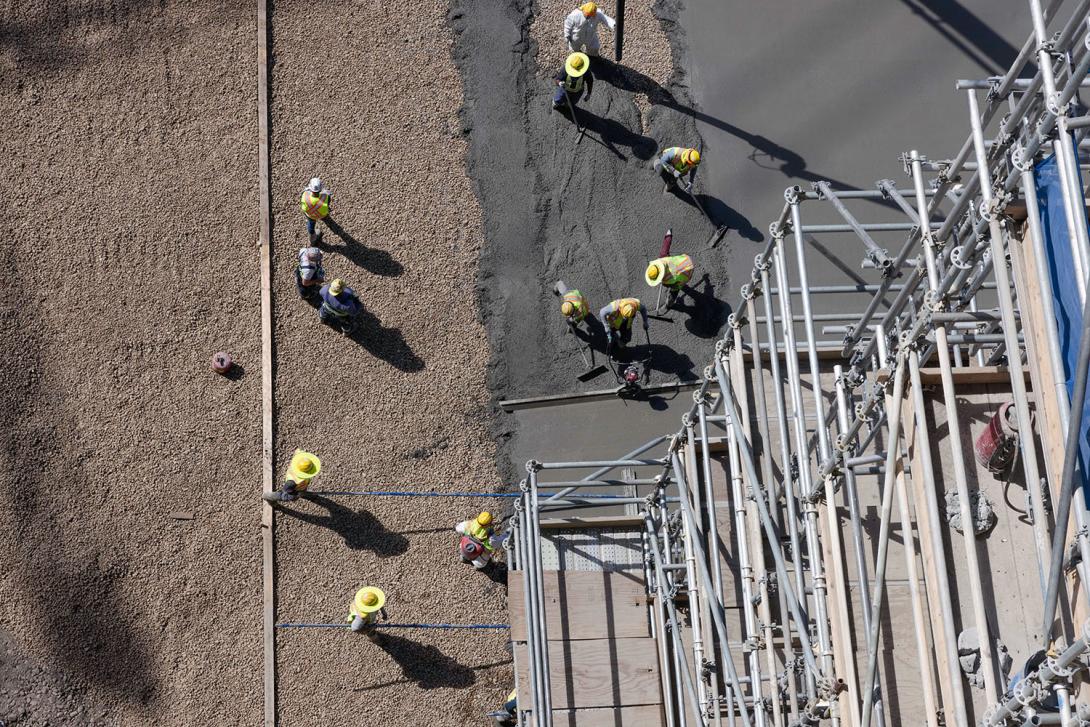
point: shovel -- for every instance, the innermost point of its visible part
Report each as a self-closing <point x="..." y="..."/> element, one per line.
<point x="590" y="371"/>
<point x="720" y="230"/>
<point x="575" y="119"/>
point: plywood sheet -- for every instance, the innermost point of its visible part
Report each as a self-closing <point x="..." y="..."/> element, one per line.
<point x="597" y="673"/>
<point x="585" y="605"/>
<point x="644" y="716"/>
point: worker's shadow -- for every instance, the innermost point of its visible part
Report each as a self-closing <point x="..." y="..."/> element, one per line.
<point x="385" y="343"/>
<point x="360" y="529"/>
<point x="665" y="360"/>
<point x="371" y="259"/>
<point x="706" y="314"/>
<point x="423" y="664"/>
<point x="611" y="134"/>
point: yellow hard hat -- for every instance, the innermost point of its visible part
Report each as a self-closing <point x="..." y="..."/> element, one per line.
<point x="691" y="156"/>
<point x="484" y="519"/>
<point x="567" y="308"/>
<point x="304" y="465"/>
<point x="628" y="310"/>
<point x="588" y="9"/>
<point x="336" y="286"/>
<point x="655" y="273"/>
<point x="577" y="64"/>
<point x="368" y="600"/>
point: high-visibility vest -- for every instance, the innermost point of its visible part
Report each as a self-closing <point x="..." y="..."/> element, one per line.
<point x="576" y="299"/>
<point x="315" y="206"/>
<point x="679" y="269"/>
<point x="676" y="160"/>
<point x="479" y="533"/>
<point x="573" y="85"/>
<point x="614" y="318"/>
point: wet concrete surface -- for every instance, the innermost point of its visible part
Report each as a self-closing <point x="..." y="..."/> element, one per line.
<point x="794" y="92"/>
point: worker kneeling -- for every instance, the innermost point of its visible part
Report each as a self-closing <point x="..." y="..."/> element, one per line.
<point x="340" y="306"/>
<point x="618" y="316"/>
<point x="366" y="607"/>
<point x="673" y="273"/>
<point x="303" y="468"/>
<point x="476" y="544"/>
<point x="571" y="80"/>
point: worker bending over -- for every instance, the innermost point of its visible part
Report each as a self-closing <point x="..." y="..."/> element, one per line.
<point x="581" y="28"/>
<point x="573" y="306"/>
<point x="476" y="544"/>
<point x="303" y="468"/>
<point x="314" y="203"/>
<point x="674" y="163"/>
<point x="309" y="274"/>
<point x="673" y="272"/>
<point x="340" y="306"/>
<point x="507" y="716"/>
<point x="571" y="80"/>
<point x="366" y="608"/>
<point x="618" y="316"/>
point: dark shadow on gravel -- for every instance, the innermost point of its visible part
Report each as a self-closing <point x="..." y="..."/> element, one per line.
<point x="385" y="343"/>
<point x="360" y="529"/>
<point x="611" y="134"/>
<point x="722" y="213"/>
<point x="423" y="664"/>
<point x="706" y="313"/>
<point x="371" y="259"/>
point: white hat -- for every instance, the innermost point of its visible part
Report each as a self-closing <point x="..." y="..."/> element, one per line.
<point x="315" y="185"/>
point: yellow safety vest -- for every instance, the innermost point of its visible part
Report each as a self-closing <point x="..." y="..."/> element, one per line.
<point x="315" y="206"/>
<point x="677" y="162"/>
<point x="481" y="534"/>
<point x="614" y="317"/>
<point x="573" y="85"/>
<point x="576" y="299"/>
<point x="679" y="269"/>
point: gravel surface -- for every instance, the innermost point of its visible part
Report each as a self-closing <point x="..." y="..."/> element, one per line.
<point x="129" y="257"/>
<point x="373" y="109"/>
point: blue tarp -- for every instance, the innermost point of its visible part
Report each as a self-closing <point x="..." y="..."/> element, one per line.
<point x="1065" y="289"/>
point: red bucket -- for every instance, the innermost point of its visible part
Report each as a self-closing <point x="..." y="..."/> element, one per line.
<point x="996" y="445"/>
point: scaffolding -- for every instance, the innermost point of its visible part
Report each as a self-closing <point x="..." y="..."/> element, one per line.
<point x="839" y="452"/>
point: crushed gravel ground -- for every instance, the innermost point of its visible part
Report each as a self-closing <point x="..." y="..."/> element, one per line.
<point x="128" y="166"/>
<point x="402" y="404"/>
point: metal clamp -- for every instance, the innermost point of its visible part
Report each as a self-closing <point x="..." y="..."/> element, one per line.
<point x="957" y="258"/>
<point x="761" y="263"/>
<point x="1018" y="159"/>
<point x="792" y="195"/>
<point x="1026" y="692"/>
<point x="735" y="321"/>
<point x="776" y="232"/>
<point x="533" y="466"/>
<point x="933" y="302"/>
<point x="1063" y="672"/>
<point x="750" y="291"/>
<point x="524" y="486"/>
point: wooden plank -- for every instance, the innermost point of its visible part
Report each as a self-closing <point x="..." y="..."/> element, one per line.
<point x="965" y="375"/>
<point x="597" y="673"/>
<point x="648" y="715"/>
<point x="597" y="521"/>
<point x="268" y="561"/>
<point x="585" y="605"/>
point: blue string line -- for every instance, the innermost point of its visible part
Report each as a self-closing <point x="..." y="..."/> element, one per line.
<point x="394" y="626"/>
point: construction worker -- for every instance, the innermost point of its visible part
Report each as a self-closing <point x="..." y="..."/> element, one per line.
<point x="314" y="203"/>
<point x="309" y="274"/>
<point x="581" y="28"/>
<point x="476" y="544"/>
<point x="674" y="163"/>
<point x="507" y="716"/>
<point x="618" y="316"/>
<point x="573" y="305"/>
<point x="340" y="305"/>
<point x="365" y="609"/>
<point x="571" y="80"/>
<point x="303" y="468"/>
<point x="673" y="272"/>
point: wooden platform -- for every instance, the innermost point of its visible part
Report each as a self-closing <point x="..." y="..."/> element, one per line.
<point x="603" y="662"/>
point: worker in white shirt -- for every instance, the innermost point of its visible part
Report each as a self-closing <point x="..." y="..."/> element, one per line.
<point x="581" y="28"/>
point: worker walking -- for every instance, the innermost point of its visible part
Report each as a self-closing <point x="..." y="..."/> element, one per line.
<point x="618" y="316"/>
<point x="674" y="163"/>
<point x="303" y="468"/>
<point x="507" y="716"/>
<point x="573" y="306"/>
<point x="672" y="272"/>
<point x="309" y="274"/>
<point x="365" y="609"/>
<point x="476" y="544"/>
<point x="571" y="80"/>
<point x="581" y="28"/>
<point x="340" y="306"/>
<point x="314" y="203"/>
